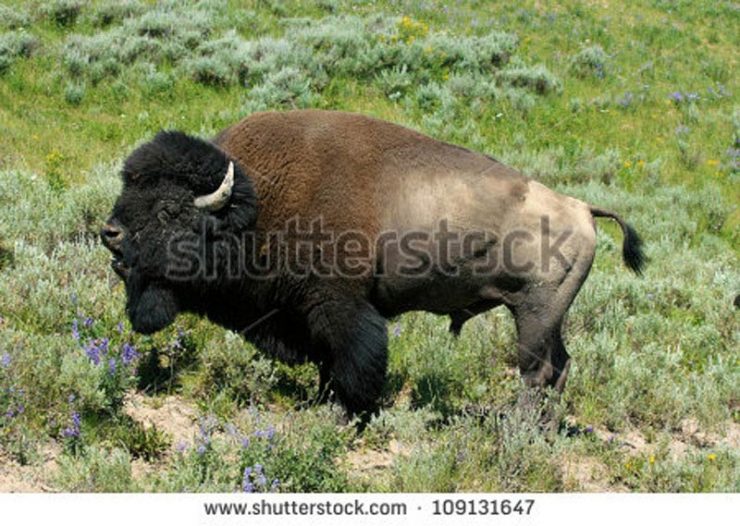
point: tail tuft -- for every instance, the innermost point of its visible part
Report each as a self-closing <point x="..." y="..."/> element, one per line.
<point x="632" y="252"/>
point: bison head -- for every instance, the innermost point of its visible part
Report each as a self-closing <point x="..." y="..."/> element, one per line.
<point x="180" y="196"/>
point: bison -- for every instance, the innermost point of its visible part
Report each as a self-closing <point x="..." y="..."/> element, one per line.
<point x="306" y="230"/>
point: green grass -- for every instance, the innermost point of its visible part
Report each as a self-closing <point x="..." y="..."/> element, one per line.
<point x="578" y="95"/>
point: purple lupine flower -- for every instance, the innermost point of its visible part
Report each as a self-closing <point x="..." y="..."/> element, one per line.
<point x="245" y="442"/>
<point x="275" y="484"/>
<point x="201" y="449"/>
<point x="104" y="343"/>
<point x="93" y="352"/>
<point x="206" y="427"/>
<point x="76" y="329"/>
<point x="21" y="409"/>
<point x="676" y="97"/>
<point x="270" y="433"/>
<point x="119" y="327"/>
<point x="589" y="429"/>
<point x="88" y="322"/>
<point x="181" y="446"/>
<point x="112" y="366"/>
<point x="73" y="431"/>
<point x="5" y="360"/>
<point x="128" y="353"/>
<point x="9" y="413"/>
<point x="397" y="330"/>
<point x="247" y="485"/>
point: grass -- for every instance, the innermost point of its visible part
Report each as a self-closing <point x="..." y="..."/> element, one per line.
<point x="632" y="108"/>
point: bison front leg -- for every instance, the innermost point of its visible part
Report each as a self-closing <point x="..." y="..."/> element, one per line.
<point x="352" y="343"/>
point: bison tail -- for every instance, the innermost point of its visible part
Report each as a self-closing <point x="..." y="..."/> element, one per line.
<point x="632" y="252"/>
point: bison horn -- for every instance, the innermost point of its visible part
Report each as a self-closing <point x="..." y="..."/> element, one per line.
<point x="218" y="199"/>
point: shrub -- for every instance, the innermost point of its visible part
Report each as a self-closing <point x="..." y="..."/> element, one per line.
<point x="489" y="52"/>
<point x="13" y="17"/>
<point x="256" y="456"/>
<point x="115" y="11"/>
<point x="155" y="82"/>
<point x="97" y="470"/>
<point x="74" y="93"/>
<point x="210" y="71"/>
<point x="166" y="33"/>
<point x="235" y="369"/>
<point x="590" y="61"/>
<point x="64" y="13"/>
<point x="395" y="82"/>
<point x="15" y="45"/>
<point x="78" y="211"/>
<point x="288" y="87"/>
<point x="535" y="78"/>
<point x="520" y="99"/>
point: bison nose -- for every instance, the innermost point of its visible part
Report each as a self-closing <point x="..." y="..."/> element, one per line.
<point x="112" y="234"/>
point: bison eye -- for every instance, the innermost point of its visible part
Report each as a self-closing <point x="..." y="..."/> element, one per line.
<point x="163" y="216"/>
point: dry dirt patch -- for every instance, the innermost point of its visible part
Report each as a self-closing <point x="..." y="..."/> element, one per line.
<point x="170" y="414"/>
<point x="582" y="473"/>
<point x="33" y="478"/>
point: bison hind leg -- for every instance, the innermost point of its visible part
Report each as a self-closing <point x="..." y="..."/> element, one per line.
<point x="543" y="358"/>
<point x="353" y="340"/>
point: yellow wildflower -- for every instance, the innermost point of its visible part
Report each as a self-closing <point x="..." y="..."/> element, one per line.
<point x="651" y="459"/>
<point x="713" y="162"/>
<point x="627" y="164"/>
<point x="640" y="163"/>
<point x="711" y="457"/>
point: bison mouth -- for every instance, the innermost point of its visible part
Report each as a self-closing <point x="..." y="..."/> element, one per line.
<point x="118" y="264"/>
<point x="120" y="268"/>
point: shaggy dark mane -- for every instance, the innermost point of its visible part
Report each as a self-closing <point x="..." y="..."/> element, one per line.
<point x="196" y="164"/>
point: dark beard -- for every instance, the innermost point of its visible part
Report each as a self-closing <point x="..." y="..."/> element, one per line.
<point x="150" y="306"/>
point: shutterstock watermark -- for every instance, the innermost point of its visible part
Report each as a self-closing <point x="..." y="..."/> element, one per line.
<point x="310" y="248"/>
